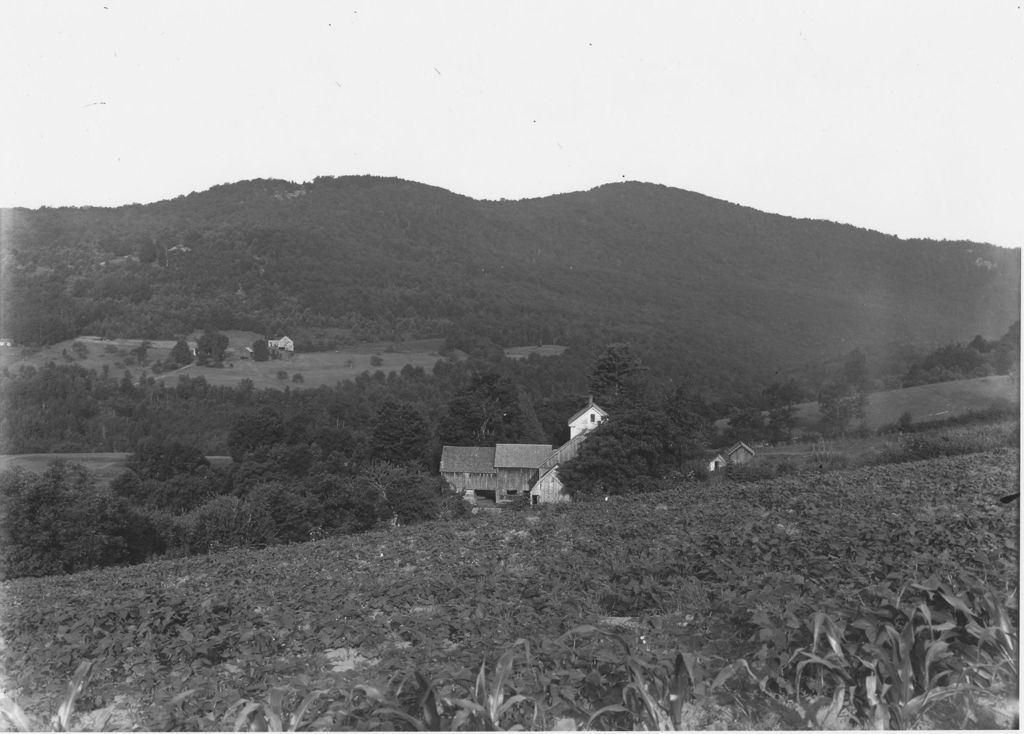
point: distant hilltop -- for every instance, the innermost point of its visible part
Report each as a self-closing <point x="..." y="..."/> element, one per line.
<point x="700" y="286"/>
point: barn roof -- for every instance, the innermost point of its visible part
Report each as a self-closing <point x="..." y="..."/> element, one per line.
<point x="591" y="404"/>
<point x="732" y="450"/>
<point x="520" y="455"/>
<point x="473" y="459"/>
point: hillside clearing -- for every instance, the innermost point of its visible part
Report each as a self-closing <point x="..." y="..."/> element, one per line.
<point x="925" y="403"/>
<point x="296" y="371"/>
<point x="541" y="350"/>
<point x="105" y="466"/>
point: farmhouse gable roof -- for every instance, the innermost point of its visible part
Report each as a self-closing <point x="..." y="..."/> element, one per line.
<point x="520" y="455"/>
<point x="468" y="459"/>
<point x="589" y="406"/>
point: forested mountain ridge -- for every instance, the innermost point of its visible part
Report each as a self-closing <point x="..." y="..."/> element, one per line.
<point x="702" y="284"/>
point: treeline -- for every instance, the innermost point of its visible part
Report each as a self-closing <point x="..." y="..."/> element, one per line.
<point x="63" y="521"/>
<point x="979" y="358"/>
<point x="67" y="408"/>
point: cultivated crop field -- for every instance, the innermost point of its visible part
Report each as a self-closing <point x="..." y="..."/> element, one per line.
<point x="758" y="605"/>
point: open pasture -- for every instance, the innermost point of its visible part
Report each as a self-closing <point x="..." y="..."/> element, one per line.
<point x="313" y="368"/>
<point x="105" y="466"/>
<point x="926" y="403"/>
<point x="542" y="350"/>
<point x="568" y="606"/>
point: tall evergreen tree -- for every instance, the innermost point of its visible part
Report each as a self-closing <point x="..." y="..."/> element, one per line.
<point x="493" y="409"/>
<point x="400" y="434"/>
<point x="618" y="377"/>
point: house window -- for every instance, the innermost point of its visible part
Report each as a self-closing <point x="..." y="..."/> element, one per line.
<point x="593" y="416"/>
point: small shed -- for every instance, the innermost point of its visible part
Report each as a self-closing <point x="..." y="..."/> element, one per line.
<point x="548" y="488"/>
<point x="740" y="453"/>
<point x="717" y="463"/>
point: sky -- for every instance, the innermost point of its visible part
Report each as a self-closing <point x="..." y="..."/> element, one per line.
<point x="903" y="117"/>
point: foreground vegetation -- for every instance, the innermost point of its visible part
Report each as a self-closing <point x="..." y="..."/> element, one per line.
<point x="875" y="596"/>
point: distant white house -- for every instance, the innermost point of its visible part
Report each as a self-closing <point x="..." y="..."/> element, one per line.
<point x="284" y="344"/>
<point x="6" y="342"/>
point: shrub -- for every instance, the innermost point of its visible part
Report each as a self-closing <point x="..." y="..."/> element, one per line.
<point x="750" y="472"/>
<point x="415" y="497"/>
<point x="225" y="522"/>
<point x="156" y="459"/>
<point x="293" y="510"/>
<point x="453" y="505"/>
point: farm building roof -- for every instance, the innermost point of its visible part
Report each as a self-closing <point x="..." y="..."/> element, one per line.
<point x="472" y="459"/>
<point x="590" y="405"/>
<point x="520" y="455"/>
<point x="732" y="450"/>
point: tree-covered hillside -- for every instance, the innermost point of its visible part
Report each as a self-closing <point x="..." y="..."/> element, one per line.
<point x="699" y="285"/>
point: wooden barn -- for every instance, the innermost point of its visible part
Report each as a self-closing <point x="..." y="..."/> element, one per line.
<point x="516" y="465"/>
<point x="470" y="469"/>
<point x="508" y="470"/>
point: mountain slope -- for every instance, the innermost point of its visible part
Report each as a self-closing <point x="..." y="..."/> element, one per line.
<point x="700" y="285"/>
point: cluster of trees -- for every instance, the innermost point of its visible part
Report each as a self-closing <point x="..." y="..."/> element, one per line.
<point x="650" y="434"/>
<point x="979" y="358"/>
<point x="172" y="503"/>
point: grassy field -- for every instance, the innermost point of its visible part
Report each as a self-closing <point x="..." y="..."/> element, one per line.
<point x="576" y="613"/>
<point x="543" y="350"/>
<point x="106" y="466"/>
<point x="313" y="368"/>
<point x="926" y="402"/>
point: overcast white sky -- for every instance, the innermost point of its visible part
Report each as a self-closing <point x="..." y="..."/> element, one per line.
<point x="899" y="116"/>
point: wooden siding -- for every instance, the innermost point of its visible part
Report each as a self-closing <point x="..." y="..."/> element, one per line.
<point x="563" y="453"/>
<point x="471" y="481"/>
<point x="512" y="482"/>
<point x="549" y="489"/>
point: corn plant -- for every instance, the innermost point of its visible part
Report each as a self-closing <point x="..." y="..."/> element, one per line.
<point x="658" y="696"/>
<point x="270" y="715"/>
<point x="904" y="665"/>
<point x="63" y="720"/>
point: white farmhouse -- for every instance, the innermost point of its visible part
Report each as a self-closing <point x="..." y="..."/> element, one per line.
<point x="588" y="418"/>
<point x="284" y="344"/>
